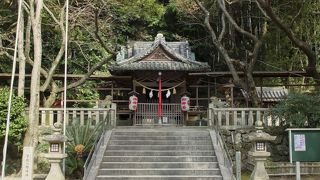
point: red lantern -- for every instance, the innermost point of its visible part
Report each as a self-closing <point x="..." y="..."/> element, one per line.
<point x="133" y="103"/>
<point x="185" y="103"/>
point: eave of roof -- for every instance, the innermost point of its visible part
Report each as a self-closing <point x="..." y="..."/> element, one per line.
<point x="160" y="65"/>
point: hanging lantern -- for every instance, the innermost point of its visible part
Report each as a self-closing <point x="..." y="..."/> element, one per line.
<point x="133" y="102"/>
<point x="185" y="103"/>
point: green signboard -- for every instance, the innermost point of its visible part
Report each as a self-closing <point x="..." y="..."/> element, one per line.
<point x="304" y="144"/>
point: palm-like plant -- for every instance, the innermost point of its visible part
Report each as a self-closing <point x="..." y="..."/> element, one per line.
<point x="82" y="139"/>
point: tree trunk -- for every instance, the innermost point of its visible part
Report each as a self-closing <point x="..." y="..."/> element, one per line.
<point x="251" y="89"/>
<point x="35" y="13"/>
<point x="53" y="96"/>
<point x="22" y="57"/>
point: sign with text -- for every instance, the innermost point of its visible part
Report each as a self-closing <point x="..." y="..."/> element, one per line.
<point x="27" y="163"/>
<point x="299" y="142"/>
<point x="304" y="144"/>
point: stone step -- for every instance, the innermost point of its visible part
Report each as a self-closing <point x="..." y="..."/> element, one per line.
<point x="149" y="165"/>
<point x="138" y="172"/>
<point x="161" y="147"/>
<point x="123" y="137"/>
<point x="158" y="153"/>
<point x="161" y="133"/>
<point x="161" y="127"/>
<point x="159" y="159"/>
<point x="160" y="177"/>
<point x="160" y="142"/>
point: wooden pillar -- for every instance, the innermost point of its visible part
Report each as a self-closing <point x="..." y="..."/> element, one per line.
<point x="209" y="95"/>
<point x="134" y="90"/>
<point x="232" y="101"/>
<point x="112" y="90"/>
<point x="185" y="114"/>
<point x="197" y="96"/>
<point x="133" y="83"/>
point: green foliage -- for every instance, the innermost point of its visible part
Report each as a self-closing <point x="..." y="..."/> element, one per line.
<point x="18" y="122"/>
<point x="84" y="92"/>
<point x="299" y="110"/>
<point x="80" y="135"/>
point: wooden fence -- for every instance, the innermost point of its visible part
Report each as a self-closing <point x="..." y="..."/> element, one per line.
<point x="48" y="116"/>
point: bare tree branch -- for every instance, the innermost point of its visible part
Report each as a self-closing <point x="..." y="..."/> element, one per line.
<point x="51" y="14"/>
<point x="60" y="54"/>
<point x="96" y="32"/>
<point x="235" y="25"/>
<point x="28" y="38"/>
<point x="5" y="53"/>
<point x="232" y="2"/>
<point x="262" y="10"/>
<point x="89" y="73"/>
<point x="223" y="22"/>
<point x="218" y="45"/>
<point x="43" y="72"/>
<point x="298" y="14"/>
<point x="302" y="45"/>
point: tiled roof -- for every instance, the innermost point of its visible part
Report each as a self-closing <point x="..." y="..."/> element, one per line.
<point x="177" y="57"/>
<point x="159" y="65"/>
<point x="270" y="94"/>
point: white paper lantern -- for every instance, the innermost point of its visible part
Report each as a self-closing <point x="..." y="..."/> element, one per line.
<point x="185" y="103"/>
<point x="133" y="103"/>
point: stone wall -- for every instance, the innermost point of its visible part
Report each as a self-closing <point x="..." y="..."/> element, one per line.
<point x="237" y="140"/>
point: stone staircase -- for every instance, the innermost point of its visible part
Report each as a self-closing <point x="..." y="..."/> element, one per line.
<point x="159" y="153"/>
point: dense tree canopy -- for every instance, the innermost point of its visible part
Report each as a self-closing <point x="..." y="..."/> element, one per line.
<point x="97" y="28"/>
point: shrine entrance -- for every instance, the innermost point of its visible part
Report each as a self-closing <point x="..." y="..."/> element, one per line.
<point x="159" y="72"/>
<point x="153" y="109"/>
<point x="146" y="114"/>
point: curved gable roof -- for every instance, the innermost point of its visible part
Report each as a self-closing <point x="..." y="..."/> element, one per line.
<point x="159" y="55"/>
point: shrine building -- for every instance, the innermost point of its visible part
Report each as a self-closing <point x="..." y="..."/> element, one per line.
<point x="157" y="73"/>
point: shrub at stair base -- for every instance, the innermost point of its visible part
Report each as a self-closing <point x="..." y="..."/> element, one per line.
<point x="18" y="123"/>
<point x="82" y="138"/>
<point x="18" y="126"/>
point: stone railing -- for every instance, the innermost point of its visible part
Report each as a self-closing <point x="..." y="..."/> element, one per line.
<point x="239" y="117"/>
<point x="48" y="116"/>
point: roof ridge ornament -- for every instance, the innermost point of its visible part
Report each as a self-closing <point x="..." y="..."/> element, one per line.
<point x="160" y="37"/>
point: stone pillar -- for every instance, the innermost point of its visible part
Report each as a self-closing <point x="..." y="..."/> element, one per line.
<point x="210" y="115"/>
<point x="259" y="171"/>
<point x="55" y="172"/>
<point x="259" y="151"/>
<point x="55" y="153"/>
<point x="113" y="115"/>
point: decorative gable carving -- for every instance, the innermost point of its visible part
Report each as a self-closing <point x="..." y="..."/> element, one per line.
<point x="158" y="55"/>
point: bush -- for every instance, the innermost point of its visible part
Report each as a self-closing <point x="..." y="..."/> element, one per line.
<point x="18" y="122"/>
<point x="299" y="110"/>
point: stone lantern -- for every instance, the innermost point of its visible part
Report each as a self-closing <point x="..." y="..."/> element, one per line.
<point x="259" y="151"/>
<point x="55" y="153"/>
